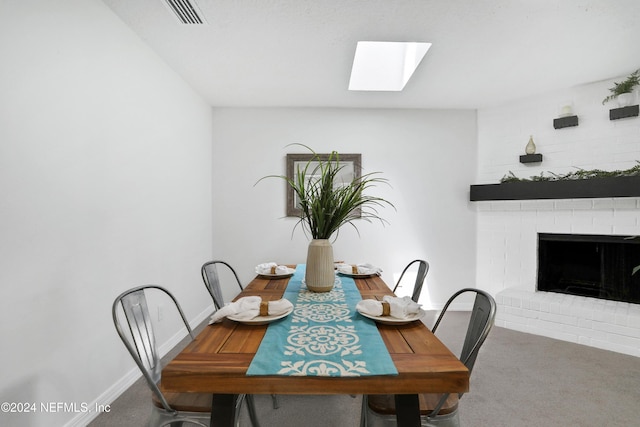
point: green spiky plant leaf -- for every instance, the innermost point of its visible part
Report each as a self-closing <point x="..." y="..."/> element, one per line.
<point x="326" y="202"/>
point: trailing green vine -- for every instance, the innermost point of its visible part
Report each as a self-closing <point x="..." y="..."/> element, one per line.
<point x="579" y="174"/>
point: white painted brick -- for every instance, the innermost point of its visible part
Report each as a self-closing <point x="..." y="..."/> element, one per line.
<point x="517" y="327"/>
<point x="604" y="204"/>
<point x="511" y="318"/>
<point x="537" y="205"/>
<point x="617" y="329"/>
<point x="574" y="330"/>
<point x="621" y="319"/>
<point x="603" y="317"/>
<point x="598" y="335"/>
<point x="624" y="218"/>
<point x="606" y="345"/>
<point x="559" y="335"/>
<point x="544" y="306"/>
<point x="631" y="230"/>
<point x="556" y="307"/>
<point x="585" y="323"/>
<point x="603" y="216"/>
<point x="506" y="205"/>
<point x="584" y="340"/>
<point x="630" y="203"/>
<point x="535" y="305"/>
<point x="558" y="318"/>
<point x="633" y="318"/>
<point x="624" y="340"/>
<point x="574" y="204"/>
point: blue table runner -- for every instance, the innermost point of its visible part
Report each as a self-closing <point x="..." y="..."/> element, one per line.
<point x="323" y="336"/>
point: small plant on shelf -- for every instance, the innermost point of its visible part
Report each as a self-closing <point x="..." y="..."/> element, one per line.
<point x="579" y="174"/>
<point x="625" y="86"/>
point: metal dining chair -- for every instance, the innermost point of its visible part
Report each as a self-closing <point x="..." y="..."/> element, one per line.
<point x="211" y="279"/>
<point x="140" y="341"/>
<point x="439" y="409"/>
<point x="423" y="269"/>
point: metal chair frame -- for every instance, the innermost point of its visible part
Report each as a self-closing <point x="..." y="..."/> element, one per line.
<point x="142" y="346"/>
<point x="480" y="324"/>
<point x="423" y="269"/>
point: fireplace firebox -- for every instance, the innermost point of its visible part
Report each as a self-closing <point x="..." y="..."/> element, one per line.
<point x="598" y="266"/>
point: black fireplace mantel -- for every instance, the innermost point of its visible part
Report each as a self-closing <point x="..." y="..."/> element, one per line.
<point x="624" y="186"/>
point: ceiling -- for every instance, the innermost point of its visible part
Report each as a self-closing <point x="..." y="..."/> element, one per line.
<point x="299" y="53"/>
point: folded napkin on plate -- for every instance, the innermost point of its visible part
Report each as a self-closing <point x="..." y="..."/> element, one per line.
<point x="247" y="308"/>
<point x="272" y="268"/>
<point x="400" y="308"/>
<point x="358" y="269"/>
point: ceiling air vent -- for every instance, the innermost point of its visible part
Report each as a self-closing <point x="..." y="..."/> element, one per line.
<point x="186" y="11"/>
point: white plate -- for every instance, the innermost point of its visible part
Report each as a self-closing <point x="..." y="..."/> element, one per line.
<point x="289" y="273"/>
<point x="260" y="320"/>
<point x="388" y="320"/>
<point x="359" y="275"/>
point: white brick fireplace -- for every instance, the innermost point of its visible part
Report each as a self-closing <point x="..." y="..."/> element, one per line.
<point x="508" y="232"/>
<point x="507" y="235"/>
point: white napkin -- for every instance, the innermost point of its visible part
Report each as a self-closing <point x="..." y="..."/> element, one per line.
<point x="247" y="308"/>
<point x="400" y="308"/>
<point x="266" y="267"/>
<point x="361" y="269"/>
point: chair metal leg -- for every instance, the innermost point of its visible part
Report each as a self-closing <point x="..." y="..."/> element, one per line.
<point x="363" y="412"/>
<point x="274" y="400"/>
<point x="252" y="411"/>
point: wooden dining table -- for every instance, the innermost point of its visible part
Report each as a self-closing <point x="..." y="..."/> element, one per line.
<point x="217" y="360"/>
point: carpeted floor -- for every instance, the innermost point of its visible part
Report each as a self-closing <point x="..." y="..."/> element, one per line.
<point x="519" y="380"/>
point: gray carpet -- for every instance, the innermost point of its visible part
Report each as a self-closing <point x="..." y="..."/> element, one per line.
<point x="519" y="380"/>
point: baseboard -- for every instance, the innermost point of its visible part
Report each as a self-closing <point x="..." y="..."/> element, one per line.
<point x="105" y="399"/>
<point x="112" y="393"/>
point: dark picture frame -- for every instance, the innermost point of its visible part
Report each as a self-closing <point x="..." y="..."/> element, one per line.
<point x="351" y="165"/>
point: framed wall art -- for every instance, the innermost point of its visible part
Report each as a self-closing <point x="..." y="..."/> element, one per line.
<point x="350" y="166"/>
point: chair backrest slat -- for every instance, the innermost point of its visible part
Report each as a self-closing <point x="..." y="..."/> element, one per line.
<point x="423" y="269"/>
<point x="136" y="312"/>
<point x="141" y="343"/>
<point x="211" y="278"/>
<point x="480" y="324"/>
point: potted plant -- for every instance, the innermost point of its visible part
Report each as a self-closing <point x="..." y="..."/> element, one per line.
<point x="623" y="91"/>
<point x="326" y="204"/>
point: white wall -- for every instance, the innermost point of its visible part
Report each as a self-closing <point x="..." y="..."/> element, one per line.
<point x="428" y="157"/>
<point x="507" y="230"/>
<point x="105" y="180"/>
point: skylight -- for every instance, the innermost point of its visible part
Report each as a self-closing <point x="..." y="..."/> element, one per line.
<point x="385" y="66"/>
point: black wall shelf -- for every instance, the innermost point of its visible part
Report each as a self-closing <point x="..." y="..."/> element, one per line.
<point x="626" y="186"/>
<point x="624" y="112"/>
<point x="531" y="158"/>
<point x="565" y="122"/>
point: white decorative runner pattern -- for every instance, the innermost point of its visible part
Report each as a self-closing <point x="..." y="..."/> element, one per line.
<point x="323" y="336"/>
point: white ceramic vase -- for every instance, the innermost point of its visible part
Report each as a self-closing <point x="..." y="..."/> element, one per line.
<point x="320" y="273"/>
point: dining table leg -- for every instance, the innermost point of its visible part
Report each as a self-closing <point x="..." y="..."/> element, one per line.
<point x="407" y="410"/>
<point x="223" y="410"/>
